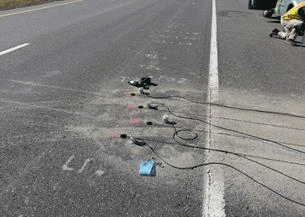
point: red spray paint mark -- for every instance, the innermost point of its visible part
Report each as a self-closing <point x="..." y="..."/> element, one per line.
<point x="134" y="121"/>
<point x="132" y="106"/>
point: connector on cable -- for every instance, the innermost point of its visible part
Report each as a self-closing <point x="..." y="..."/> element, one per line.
<point x="141" y="90"/>
<point x="136" y="141"/>
<point x="151" y="106"/>
<point x="167" y="120"/>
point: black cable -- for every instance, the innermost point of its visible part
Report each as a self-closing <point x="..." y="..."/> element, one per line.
<point x="228" y="152"/>
<point x="223" y="151"/>
<point x="246" y="134"/>
<point x="233" y="153"/>
<point x="235" y="131"/>
<point x="230" y="107"/>
<point x="224" y="164"/>
<point x="227" y="165"/>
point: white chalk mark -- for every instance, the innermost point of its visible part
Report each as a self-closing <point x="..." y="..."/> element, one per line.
<point x="84" y="165"/>
<point x="171" y="79"/>
<point x="27" y="200"/>
<point x="183" y="81"/>
<point x="151" y="56"/>
<point x="65" y="166"/>
<point x="122" y="78"/>
<point x="13" y="49"/>
<point x="149" y="67"/>
<point x="189" y="38"/>
<point x="99" y="172"/>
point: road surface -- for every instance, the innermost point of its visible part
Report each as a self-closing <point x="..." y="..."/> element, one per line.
<point x="65" y="102"/>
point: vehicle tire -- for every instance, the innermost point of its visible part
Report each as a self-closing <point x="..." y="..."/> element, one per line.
<point x="268" y="13"/>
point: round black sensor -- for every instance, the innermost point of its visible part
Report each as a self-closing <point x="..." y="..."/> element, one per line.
<point x="123" y="136"/>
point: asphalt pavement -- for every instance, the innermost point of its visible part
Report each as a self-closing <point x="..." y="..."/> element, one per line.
<point x="65" y="102"/>
<point x="65" y="106"/>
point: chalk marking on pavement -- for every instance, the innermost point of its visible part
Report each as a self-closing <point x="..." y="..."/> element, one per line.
<point x="37" y="9"/>
<point x="13" y="48"/>
<point x="99" y="172"/>
<point x="84" y="165"/>
<point x="65" y="166"/>
<point x="213" y="197"/>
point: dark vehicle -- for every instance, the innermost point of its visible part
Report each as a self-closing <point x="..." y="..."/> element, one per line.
<point x="270" y="7"/>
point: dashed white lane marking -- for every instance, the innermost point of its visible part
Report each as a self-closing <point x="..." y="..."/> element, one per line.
<point x="13" y="48"/>
<point x="213" y="72"/>
<point x="213" y="197"/>
<point x="37" y="9"/>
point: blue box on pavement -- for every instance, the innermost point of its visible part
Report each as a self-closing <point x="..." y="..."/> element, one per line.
<point x="147" y="168"/>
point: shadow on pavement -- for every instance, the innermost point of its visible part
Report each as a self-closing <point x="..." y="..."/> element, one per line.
<point x="275" y="18"/>
<point x="295" y="44"/>
<point x="299" y="44"/>
<point x="274" y="21"/>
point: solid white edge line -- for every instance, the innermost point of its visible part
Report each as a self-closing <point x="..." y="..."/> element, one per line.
<point x="37" y="9"/>
<point x="14" y="48"/>
<point x="213" y="196"/>
<point x="213" y="72"/>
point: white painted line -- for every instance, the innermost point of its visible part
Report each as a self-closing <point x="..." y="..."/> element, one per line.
<point x="13" y="49"/>
<point x="213" y="73"/>
<point x="37" y="9"/>
<point x="213" y="197"/>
